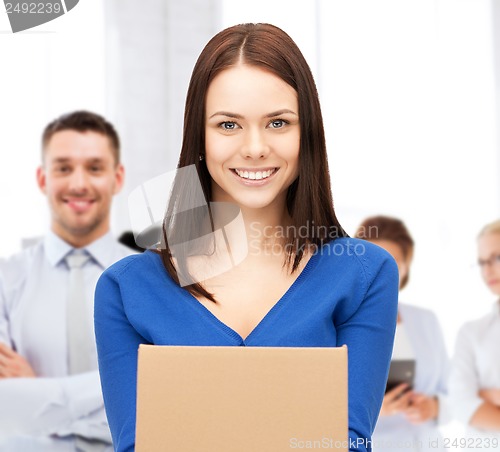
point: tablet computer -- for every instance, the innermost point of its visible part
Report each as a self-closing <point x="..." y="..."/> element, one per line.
<point x="401" y="371"/>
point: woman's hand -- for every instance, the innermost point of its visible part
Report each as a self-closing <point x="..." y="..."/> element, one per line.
<point x="422" y="408"/>
<point x="396" y="400"/>
<point x="490" y="395"/>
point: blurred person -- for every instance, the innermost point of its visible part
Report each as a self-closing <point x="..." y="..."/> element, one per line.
<point x="409" y="417"/>
<point x="475" y="375"/>
<point x="50" y="390"/>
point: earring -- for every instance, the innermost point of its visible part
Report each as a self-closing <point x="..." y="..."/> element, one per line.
<point x="201" y="157"/>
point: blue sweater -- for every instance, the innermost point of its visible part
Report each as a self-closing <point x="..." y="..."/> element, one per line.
<point x="346" y="294"/>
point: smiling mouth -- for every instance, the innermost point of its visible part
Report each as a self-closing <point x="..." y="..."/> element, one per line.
<point x="255" y="175"/>
<point x="79" y="203"/>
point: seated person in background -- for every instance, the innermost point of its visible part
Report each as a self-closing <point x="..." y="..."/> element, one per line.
<point x="475" y="375"/>
<point x="50" y="395"/>
<point x="410" y="415"/>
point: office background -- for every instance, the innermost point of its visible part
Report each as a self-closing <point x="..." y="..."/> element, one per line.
<point x="410" y="91"/>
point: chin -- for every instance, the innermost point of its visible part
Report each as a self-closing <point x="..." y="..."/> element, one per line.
<point x="81" y="228"/>
<point x="495" y="290"/>
<point x="254" y="205"/>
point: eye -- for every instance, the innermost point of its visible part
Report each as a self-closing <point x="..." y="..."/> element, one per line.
<point x="493" y="260"/>
<point x="95" y="168"/>
<point x="62" y="169"/>
<point x="228" y="125"/>
<point x="277" y="123"/>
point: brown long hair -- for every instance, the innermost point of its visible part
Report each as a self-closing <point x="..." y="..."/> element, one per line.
<point x="381" y="227"/>
<point x="309" y="199"/>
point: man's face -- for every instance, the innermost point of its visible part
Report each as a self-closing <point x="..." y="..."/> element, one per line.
<point x="79" y="176"/>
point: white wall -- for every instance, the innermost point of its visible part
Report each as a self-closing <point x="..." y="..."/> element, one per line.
<point x="55" y="68"/>
<point x="151" y="52"/>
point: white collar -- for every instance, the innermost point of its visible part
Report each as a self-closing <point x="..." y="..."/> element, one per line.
<point x="56" y="249"/>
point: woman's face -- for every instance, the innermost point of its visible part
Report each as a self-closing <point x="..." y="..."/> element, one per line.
<point x="489" y="260"/>
<point x="252" y="137"/>
<point x="397" y="253"/>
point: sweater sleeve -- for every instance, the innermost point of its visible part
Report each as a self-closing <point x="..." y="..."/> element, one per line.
<point x="369" y="336"/>
<point x="117" y="347"/>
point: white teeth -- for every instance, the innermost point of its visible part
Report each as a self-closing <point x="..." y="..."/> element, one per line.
<point x="79" y="203"/>
<point x="258" y="175"/>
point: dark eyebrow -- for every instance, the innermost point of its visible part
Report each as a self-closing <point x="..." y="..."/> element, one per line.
<point x="228" y="114"/>
<point x="237" y="116"/>
<point x="67" y="160"/>
<point x="280" y="112"/>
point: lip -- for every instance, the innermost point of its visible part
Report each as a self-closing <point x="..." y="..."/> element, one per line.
<point x="79" y="205"/>
<point x="255" y="182"/>
<point x="493" y="282"/>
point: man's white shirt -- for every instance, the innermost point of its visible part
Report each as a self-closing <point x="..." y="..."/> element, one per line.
<point x="45" y="413"/>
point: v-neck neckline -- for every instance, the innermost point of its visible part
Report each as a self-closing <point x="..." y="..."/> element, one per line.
<point x="277" y="305"/>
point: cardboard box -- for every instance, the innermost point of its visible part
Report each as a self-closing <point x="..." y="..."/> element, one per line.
<point x="241" y="399"/>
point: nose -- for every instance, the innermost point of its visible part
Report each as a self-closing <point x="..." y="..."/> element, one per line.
<point x="255" y="145"/>
<point x="78" y="181"/>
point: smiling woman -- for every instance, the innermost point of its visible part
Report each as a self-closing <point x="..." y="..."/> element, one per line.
<point x="253" y="131"/>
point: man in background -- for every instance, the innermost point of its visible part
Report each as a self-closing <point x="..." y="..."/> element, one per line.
<point x="50" y="394"/>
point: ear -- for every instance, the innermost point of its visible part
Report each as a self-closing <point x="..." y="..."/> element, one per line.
<point x="119" y="178"/>
<point x="41" y="179"/>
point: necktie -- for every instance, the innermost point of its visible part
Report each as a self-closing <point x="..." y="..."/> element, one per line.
<point x="79" y="332"/>
<point x="78" y="322"/>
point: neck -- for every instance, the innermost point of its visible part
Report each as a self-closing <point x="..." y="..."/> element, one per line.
<point x="265" y="231"/>
<point x="251" y="232"/>
<point x="79" y="240"/>
<point x="242" y="237"/>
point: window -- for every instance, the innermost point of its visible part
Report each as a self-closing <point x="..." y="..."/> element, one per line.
<point x="46" y="71"/>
